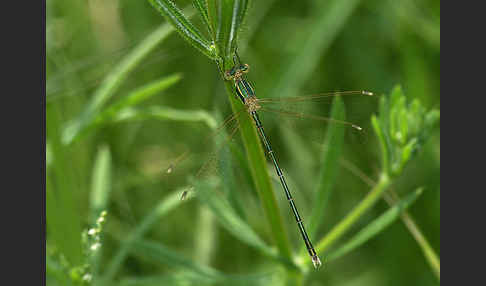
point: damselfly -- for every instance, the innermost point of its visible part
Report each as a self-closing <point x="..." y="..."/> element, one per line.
<point x="246" y="95"/>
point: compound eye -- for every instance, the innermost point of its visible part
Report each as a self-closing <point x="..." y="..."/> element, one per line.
<point x="245" y="68"/>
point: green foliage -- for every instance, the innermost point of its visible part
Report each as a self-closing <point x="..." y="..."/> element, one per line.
<point x="377" y="226"/>
<point x="330" y="158"/>
<point x="111" y="84"/>
<point x="108" y="145"/>
<point x="182" y="24"/>
<point x="402" y="129"/>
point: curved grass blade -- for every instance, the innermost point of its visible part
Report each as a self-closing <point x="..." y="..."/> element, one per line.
<point x="330" y="156"/>
<point x="165" y="113"/>
<point x="139" y="95"/>
<point x="191" y="270"/>
<point x="377" y="226"/>
<point x="225" y="214"/>
<point x="112" y="82"/>
<point x="162" y="254"/>
<point x="185" y="28"/>
<point x="121" y="106"/>
<point x="163" y="208"/>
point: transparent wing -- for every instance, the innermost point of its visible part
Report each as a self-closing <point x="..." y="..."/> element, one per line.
<point x="316" y="97"/>
<point x="313" y="111"/>
<point x="298" y="126"/>
<point x="207" y="163"/>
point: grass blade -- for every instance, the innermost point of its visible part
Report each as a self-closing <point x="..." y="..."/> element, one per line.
<point x="185" y="28"/>
<point x="228" y="218"/>
<point x="202" y="6"/>
<point x="138" y="96"/>
<point x="391" y="197"/>
<point x="100" y="182"/>
<point x="322" y="32"/>
<point x="112" y="82"/>
<point x="121" y="106"/>
<point x="62" y="219"/>
<point x="165" y="113"/>
<point x="376" y="226"/>
<point x="259" y="172"/>
<point x="345" y="224"/>
<point x="100" y="191"/>
<point x="226" y="17"/>
<point x="191" y="271"/>
<point x="330" y="159"/>
<point x="183" y="278"/>
<point x="163" y="208"/>
<point x="161" y="254"/>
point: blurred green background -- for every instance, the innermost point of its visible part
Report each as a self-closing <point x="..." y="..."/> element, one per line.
<point x="294" y="48"/>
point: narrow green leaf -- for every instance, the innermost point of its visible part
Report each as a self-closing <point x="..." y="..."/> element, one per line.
<point x="165" y="113"/>
<point x="352" y="217"/>
<point x="180" y="278"/>
<point x="377" y="226"/>
<point x="259" y="172"/>
<point x="62" y="217"/>
<point x="225" y="214"/>
<point x="163" y="208"/>
<point x="191" y="271"/>
<point x="137" y="96"/>
<point x="407" y="219"/>
<point x="375" y="122"/>
<point x="100" y="190"/>
<point x="100" y="182"/>
<point x="133" y="98"/>
<point x="202" y="6"/>
<point x="330" y="159"/>
<point x="161" y="254"/>
<point x="112" y="82"/>
<point x="185" y="28"/>
<point x="184" y="278"/>
<point x="322" y="31"/>
<point x="226" y="17"/>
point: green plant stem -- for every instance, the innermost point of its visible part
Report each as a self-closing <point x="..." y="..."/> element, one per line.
<point x="428" y="251"/>
<point x="341" y="228"/>
<point x="260" y="175"/>
<point x="391" y="198"/>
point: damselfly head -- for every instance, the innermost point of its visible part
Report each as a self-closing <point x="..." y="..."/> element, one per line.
<point x="245" y="68"/>
<point x="369" y="93"/>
